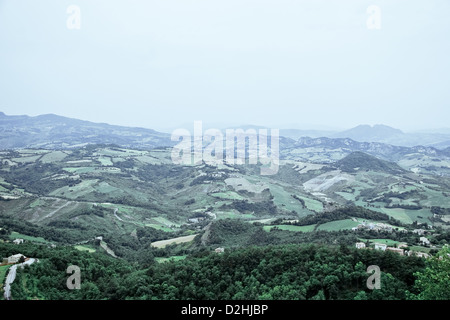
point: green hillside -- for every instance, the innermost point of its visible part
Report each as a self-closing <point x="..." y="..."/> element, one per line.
<point x="362" y="161"/>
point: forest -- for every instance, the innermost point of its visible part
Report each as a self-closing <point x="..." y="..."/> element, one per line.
<point x="281" y="272"/>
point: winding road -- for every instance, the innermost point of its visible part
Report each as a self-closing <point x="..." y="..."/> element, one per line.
<point x="12" y="275"/>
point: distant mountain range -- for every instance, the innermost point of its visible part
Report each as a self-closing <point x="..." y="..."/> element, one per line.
<point x="56" y="132"/>
<point x="379" y="133"/>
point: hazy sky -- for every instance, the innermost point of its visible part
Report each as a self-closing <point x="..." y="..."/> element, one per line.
<point x="164" y="63"/>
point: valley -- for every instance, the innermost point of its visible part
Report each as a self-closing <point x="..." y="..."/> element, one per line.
<point x="108" y="188"/>
<point x="134" y="205"/>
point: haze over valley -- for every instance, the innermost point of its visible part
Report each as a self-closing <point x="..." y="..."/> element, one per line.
<point x="234" y="151"/>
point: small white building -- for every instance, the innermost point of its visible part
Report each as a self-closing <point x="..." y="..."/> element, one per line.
<point x="380" y="246"/>
<point x="418" y="254"/>
<point x="196" y="220"/>
<point x="396" y="250"/>
<point x="18" y="241"/>
<point x="424" y="241"/>
<point x="219" y="250"/>
<point x="422" y="255"/>
<point x="14" y="258"/>
<point x="419" y="231"/>
<point x="360" y="245"/>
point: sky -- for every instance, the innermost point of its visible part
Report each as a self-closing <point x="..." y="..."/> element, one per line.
<point x="162" y="64"/>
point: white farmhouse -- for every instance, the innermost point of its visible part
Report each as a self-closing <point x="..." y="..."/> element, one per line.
<point x="360" y="245"/>
<point x="14" y="258"/>
<point x="424" y="241"/>
<point x="219" y="250"/>
<point x="380" y="246"/>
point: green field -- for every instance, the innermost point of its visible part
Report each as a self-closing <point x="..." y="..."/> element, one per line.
<point x="420" y="249"/>
<point x="338" y="225"/>
<point x="346" y="195"/>
<point x="283" y="199"/>
<point x="54" y="156"/>
<point x="233" y="215"/>
<point x="85" y="248"/>
<point x="26" y="159"/>
<point x="105" y="161"/>
<point x="173" y="258"/>
<point x="308" y="228"/>
<point x="79" y="170"/>
<point x="165" y="222"/>
<point x="164" y="243"/>
<point x="79" y="190"/>
<point x="16" y="235"/>
<point x="3" y="273"/>
<point x="159" y="227"/>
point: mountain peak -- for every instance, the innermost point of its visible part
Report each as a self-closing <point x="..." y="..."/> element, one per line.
<point x="375" y="128"/>
<point x="367" y="133"/>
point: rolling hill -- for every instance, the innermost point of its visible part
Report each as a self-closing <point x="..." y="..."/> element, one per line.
<point x="362" y="161"/>
<point x="57" y="132"/>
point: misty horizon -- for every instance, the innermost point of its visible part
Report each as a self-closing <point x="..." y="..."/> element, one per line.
<point x="162" y="64"/>
<point x="224" y="125"/>
<point x="225" y="155"/>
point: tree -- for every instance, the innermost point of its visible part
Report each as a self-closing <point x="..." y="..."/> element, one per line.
<point x="434" y="282"/>
<point x="319" y="296"/>
<point x="361" y="295"/>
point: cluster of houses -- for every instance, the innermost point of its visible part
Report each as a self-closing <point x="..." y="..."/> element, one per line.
<point x="383" y="227"/>
<point x="399" y="249"/>
<point x="420" y="232"/>
<point x="200" y="219"/>
<point x="373" y="226"/>
<point x="196" y="220"/>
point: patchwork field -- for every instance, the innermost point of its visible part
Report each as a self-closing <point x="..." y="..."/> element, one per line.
<point x="140" y="198"/>
<point x="164" y="243"/>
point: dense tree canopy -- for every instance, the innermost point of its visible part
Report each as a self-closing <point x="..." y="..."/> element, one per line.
<point x="269" y="272"/>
